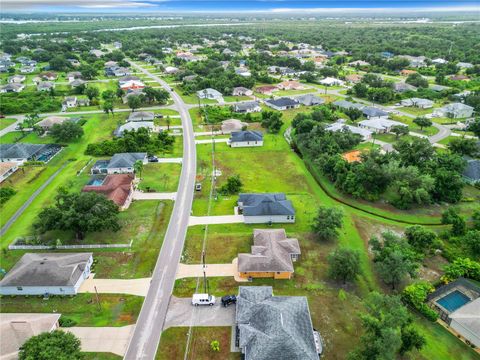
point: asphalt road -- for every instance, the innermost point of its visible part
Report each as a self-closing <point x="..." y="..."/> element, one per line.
<point x="145" y="339"/>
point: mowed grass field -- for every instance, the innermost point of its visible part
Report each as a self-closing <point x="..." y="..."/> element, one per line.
<point x="158" y="177"/>
<point x="113" y="310"/>
<point x="334" y="309"/>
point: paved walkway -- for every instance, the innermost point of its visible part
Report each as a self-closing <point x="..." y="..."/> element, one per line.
<point x="169" y="160"/>
<point x="137" y="287"/>
<point x="181" y="312"/>
<point x="209" y="141"/>
<point x="211" y="220"/>
<point x="103" y="339"/>
<point x="138" y="195"/>
<point x="212" y="270"/>
<point x="207" y="133"/>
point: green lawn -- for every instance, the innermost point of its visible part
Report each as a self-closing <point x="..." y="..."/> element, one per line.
<point x="98" y="127"/>
<point x="6" y="122"/>
<point x="160" y="177"/>
<point x="173" y="344"/>
<point x="415" y="110"/>
<point x="114" y="310"/>
<point x="429" y="131"/>
<point x="100" y="356"/>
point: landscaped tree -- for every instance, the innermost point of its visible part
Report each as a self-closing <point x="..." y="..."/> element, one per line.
<point x="344" y="264"/>
<point x="138" y="167"/>
<point x="422" y="122"/>
<point x="353" y="113"/>
<point x="452" y="217"/>
<point x="215" y="345"/>
<point x="134" y="102"/>
<point x="464" y="146"/>
<point x="79" y="212"/>
<point x="108" y="107"/>
<point x="92" y="92"/>
<point x="472" y="239"/>
<point x="417" y="80"/>
<point x="327" y="222"/>
<point x="474" y="127"/>
<point x="399" y="130"/>
<point x="88" y="71"/>
<point x="57" y="345"/>
<point x="30" y="120"/>
<point x="108" y="95"/>
<point x="388" y="330"/>
<point x="271" y="120"/>
<point x="416" y="151"/>
<point x="394" y="259"/>
<point x="421" y="238"/>
<point x="67" y="131"/>
<point x="168" y="121"/>
<point x="232" y="186"/>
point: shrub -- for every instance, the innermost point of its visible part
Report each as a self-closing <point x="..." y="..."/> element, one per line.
<point x="462" y="267"/>
<point x="66" y="322"/>
<point x="5" y="194"/>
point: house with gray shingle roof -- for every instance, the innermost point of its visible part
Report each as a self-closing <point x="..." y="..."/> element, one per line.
<point x="380" y="125"/>
<point x="122" y="163"/>
<point x="272" y="255"/>
<point x="247" y="138"/>
<point x="22" y="152"/>
<point x="373" y="112"/>
<point x="274" y="327"/>
<point x="247" y="107"/>
<point x="133" y="125"/>
<point x="417" y="102"/>
<point x="141" y="116"/>
<point x="471" y="174"/>
<point x="47" y="273"/>
<point x="346" y="105"/>
<point x="283" y="103"/>
<point x="454" y="111"/>
<point x="266" y="208"/>
<point x="309" y="100"/>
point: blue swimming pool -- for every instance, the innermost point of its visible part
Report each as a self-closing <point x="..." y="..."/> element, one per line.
<point x="96" y="182"/>
<point x="453" y="301"/>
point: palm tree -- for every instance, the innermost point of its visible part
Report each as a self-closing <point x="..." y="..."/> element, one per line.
<point x="168" y="122"/>
<point x="138" y="168"/>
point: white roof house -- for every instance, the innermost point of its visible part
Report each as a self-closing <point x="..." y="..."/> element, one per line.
<point x="466" y="321"/>
<point x="340" y="126"/>
<point x="329" y="81"/>
<point x="454" y="111"/>
<point x="133" y="125"/>
<point x="439" y="61"/>
<point x="171" y="70"/>
<point x="210" y="93"/>
<point x="379" y="125"/>
<point x="417" y="102"/>
<point x="464" y="65"/>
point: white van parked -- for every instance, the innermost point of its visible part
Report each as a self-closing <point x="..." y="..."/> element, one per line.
<point x="203" y="299"/>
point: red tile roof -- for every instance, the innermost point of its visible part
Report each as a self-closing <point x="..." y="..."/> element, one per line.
<point x="115" y="187"/>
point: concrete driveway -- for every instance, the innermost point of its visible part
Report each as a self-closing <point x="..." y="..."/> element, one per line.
<point x="138" y="195"/>
<point x="181" y="312"/>
<point x="169" y="161"/>
<point x="103" y="339"/>
<point x="209" y="141"/>
<point x="137" y="287"/>
<point x="211" y="220"/>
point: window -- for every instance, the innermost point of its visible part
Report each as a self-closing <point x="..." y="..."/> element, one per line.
<point x="19" y="288"/>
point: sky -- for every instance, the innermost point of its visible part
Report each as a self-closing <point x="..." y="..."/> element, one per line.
<point x="248" y="6"/>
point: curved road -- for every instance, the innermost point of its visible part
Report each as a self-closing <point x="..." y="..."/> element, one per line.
<point x="146" y="337"/>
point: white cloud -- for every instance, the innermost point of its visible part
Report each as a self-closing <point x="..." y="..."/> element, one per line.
<point x="371" y="10"/>
<point x="105" y="4"/>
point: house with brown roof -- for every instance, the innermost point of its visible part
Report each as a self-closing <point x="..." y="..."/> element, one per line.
<point x="272" y="255"/>
<point x="459" y="77"/>
<point x="7" y="169"/>
<point x="406" y="72"/>
<point x="354" y="78"/>
<point x="117" y="187"/>
<point x="290" y="85"/>
<point x="47" y="123"/>
<point x="266" y="90"/>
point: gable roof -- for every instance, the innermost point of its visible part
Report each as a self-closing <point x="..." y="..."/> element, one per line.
<point x="281" y="102"/>
<point x="17" y="328"/>
<point x="309" y="99"/>
<point x="247" y="135"/>
<point x="380" y="124"/>
<point x="20" y="150"/>
<point x="468" y="316"/>
<point x="125" y="160"/>
<point x="271" y="252"/>
<point x="373" y="111"/>
<point x="49" y="121"/>
<point x="274" y="327"/>
<point x="244" y="106"/>
<point x="265" y="204"/>
<point x="47" y="269"/>
<point x="344" y="104"/>
<point x="115" y="187"/>
<point x="472" y="170"/>
<point x="133" y="125"/>
<point x="140" y="116"/>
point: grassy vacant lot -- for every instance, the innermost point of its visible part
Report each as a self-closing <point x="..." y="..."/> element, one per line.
<point x="160" y="177"/>
<point x="173" y="344"/>
<point x="415" y="111"/>
<point x="6" y="122"/>
<point x="429" y="131"/>
<point x="114" y="310"/>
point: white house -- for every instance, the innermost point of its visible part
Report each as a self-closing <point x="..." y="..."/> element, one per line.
<point x="454" y="111"/>
<point x="247" y="138"/>
<point x="329" y="81"/>
<point x="12" y="87"/>
<point x="70" y="101"/>
<point x="210" y="93"/>
<point x="341" y="126"/>
<point x="16" y="78"/>
<point x="7" y="169"/>
<point x="47" y="273"/>
<point x="122" y="163"/>
<point x="171" y="70"/>
<point x="466" y="321"/>
<point x="417" y="102"/>
<point x="283" y="103"/>
<point x="379" y="125"/>
<point x="266" y="208"/>
<point x="247" y="107"/>
<point x="242" y="91"/>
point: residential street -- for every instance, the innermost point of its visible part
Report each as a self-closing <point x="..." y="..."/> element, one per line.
<point x="146" y="337"/>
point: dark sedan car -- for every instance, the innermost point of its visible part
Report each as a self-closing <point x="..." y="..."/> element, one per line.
<point x="229" y="299"/>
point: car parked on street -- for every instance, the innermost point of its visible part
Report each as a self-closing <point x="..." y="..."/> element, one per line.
<point x="198" y="187"/>
<point x="152" y="159"/>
